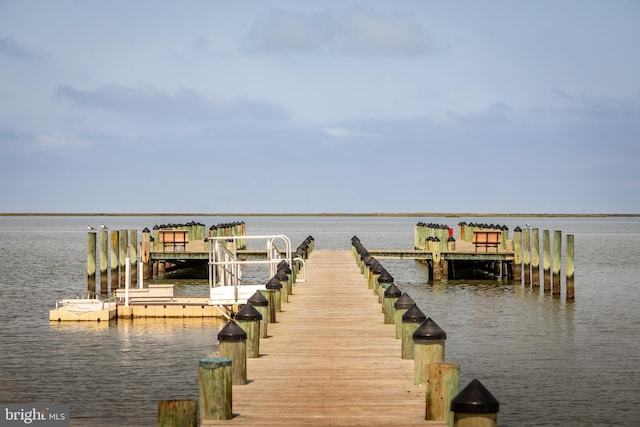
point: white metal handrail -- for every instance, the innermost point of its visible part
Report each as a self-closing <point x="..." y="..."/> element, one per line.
<point x="224" y="265"/>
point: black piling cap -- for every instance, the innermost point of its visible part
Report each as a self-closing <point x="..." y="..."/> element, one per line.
<point x="281" y="275"/>
<point x="392" y="292"/>
<point x="248" y="312"/>
<point x="385" y="277"/>
<point x="517" y="229"/>
<point x="475" y="399"/>
<point x="146" y="230"/>
<point x="451" y="239"/>
<point x="404" y="301"/>
<point x="274" y="283"/>
<point x="284" y="266"/>
<point x="377" y="268"/>
<point x="232" y="332"/>
<point x="429" y="331"/>
<point x="258" y="300"/>
<point x="413" y="315"/>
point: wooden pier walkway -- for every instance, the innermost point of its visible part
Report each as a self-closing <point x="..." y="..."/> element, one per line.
<point x="330" y="360"/>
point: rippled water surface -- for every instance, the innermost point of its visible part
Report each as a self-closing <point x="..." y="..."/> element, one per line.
<point x="548" y="362"/>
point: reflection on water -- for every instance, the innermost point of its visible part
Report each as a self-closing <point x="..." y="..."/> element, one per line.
<point x="548" y="362"/>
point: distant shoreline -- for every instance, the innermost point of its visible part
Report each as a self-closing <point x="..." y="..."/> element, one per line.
<point x="336" y="214"/>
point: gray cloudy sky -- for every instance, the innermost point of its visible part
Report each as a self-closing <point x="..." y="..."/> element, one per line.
<point x="320" y="106"/>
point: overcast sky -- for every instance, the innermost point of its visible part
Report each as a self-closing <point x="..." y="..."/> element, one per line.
<point x="320" y="106"/>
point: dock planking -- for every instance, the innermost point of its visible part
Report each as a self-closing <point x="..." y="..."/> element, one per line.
<point x="330" y="360"/>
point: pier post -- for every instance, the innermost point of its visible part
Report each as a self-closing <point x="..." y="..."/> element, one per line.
<point x="91" y="261"/>
<point x="123" y="242"/>
<point x="249" y="318"/>
<point x="435" y="259"/>
<point x="475" y="406"/>
<point x="114" y="257"/>
<point x="546" y="260"/>
<point x="286" y="269"/>
<point x="555" y="265"/>
<point x="274" y="285"/>
<point x="428" y="348"/>
<point x="215" y="381"/>
<point x="391" y="295"/>
<point x="146" y="248"/>
<point x="384" y="280"/>
<point x="173" y="413"/>
<point x="443" y="385"/>
<point x="570" y="268"/>
<point x="261" y="303"/>
<point x="104" y="262"/>
<point x="526" y="256"/>
<point x="233" y="345"/>
<point x="133" y="255"/>
<point x="282" y="277"/>
<point x="401" y="306"/>
<point x="535" y="258"/>
<point x="410" y="322"/>
<point x="517" y="254"/>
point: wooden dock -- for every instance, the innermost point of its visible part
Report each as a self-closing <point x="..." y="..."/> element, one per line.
<point x="330" y="360"/>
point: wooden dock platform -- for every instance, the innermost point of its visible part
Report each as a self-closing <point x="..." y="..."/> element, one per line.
<point x="330" y="360"/>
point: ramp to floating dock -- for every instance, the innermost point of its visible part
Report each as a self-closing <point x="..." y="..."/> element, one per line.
<point x="330" y="360"/>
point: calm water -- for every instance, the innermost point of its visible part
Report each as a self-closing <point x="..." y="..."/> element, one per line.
<point x="548" y="363"/>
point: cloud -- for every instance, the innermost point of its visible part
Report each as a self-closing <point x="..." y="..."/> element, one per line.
<point x="353" y="31"/>
<point x="342" y="132"/>
<point x="20" y="51"/>
<point x="62" y="141"/>
<point x="186" y="103"/>
<point x="590" y="107"/>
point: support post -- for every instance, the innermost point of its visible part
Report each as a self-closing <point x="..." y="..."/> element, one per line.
<point x="475" y="406"/>
<point x="535" y="258"/>
<point x="428" y="348"/>
<point x="91" y="261"/>
<point x="546" y="260"/>
<point x="570" y="268"/>
<point x="410" y="322"/>
<point x="215" y="380"/>
<point x="517" y="255"/>
<point x="233" y="345"/>
<point x="555" y="265"/>
<point x="173" y="413"/>
<point x="444" y="381"/>
<point x="526" y="256"/>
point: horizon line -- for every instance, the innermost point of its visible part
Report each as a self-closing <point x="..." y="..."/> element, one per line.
<point x="328" y="214"/>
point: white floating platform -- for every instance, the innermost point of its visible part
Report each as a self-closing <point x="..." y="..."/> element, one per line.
<point x="83" y="309"/>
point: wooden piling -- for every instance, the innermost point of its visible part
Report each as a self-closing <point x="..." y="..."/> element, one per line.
<point x="428" y="348"/>
<point x="114" y="253"/>
<point x="475" y="406"/>
<point x="517" y="254"/>
<point x="570" y="296"/>
<point x="144" y="253"/>
<point x="172" y="413"/>
<point x="442" y="387"/>
<point x="555" y="265"/>
<point x="133" y="255"/>
<point x="546" y="260"/>
<point x="91" y="261"/>
<point x="410" y="322"/>
<point x="104" y="262"/>
<point x="526" y="256"/>
<point x="233" y="345"/>
<point x="123" y="243"/>
<point x="215" y="380"/>
<point x="249" y="318"/>
<point x="535" y="257"/>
